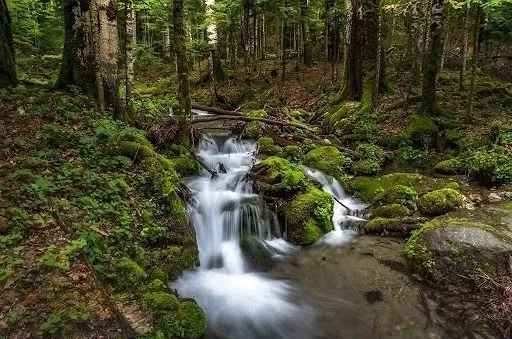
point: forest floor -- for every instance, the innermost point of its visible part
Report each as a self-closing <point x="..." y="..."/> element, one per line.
<point x="62" y="193"/>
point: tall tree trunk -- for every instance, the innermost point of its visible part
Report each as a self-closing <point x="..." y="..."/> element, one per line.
<point x="90" y="55"/>
<point x="130" y="57"/>
<point x="363" y="51"/>
<point x="307" y="49"/>
<point x="464" y="47"/>
<point x="184" y="109"/>
<point x="433" y="60"/>
<point x="7" y="63"/>
<point x="474" y="62"/>
<point x="415" y="41"/>
<point x="218" y="73"/>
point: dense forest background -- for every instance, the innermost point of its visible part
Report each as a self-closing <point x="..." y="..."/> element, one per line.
<point x="407" y="103"/>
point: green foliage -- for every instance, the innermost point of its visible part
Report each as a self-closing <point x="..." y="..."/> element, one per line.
<point x="422" y="131"/>
<point x="53" y="324"/>
<point x="440" y="201"/>
<point x="372" y="159"/>
<point x="491" y="166"/>
<point x="253" y="130"/>
<point x="398" y="194"/>
<point x="450" y="166"/>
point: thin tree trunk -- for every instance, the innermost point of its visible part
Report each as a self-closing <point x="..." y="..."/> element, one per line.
<point x="130" y="57"/>
<point x="7" y="64"/>
<point x="218" y="73"/>
<point x="308" y="51"/>
<point x="432" y="60"/>
<point x="184" y="108"/>
<point x="474" y="62"/>
<point x="464" y="47"/>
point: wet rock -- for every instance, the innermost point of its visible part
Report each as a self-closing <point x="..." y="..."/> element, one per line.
<point x="374" y="296"/>
<point x="475" y="198"/>
<point x="257" y="256"/>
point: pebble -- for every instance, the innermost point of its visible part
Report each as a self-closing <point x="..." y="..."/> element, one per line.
<point x="494" y="197"/>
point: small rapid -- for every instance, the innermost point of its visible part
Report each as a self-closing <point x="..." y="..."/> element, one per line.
<point x="238" y="302"/>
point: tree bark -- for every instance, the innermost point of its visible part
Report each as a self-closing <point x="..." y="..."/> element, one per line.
<point x="184" y="109"/>
<point x="308" y="49"/>
<point x="130" y="57"/>
<point x="474" y="62"/>
<point x="464" y="47"/>
<point x="7" y="64"/>
<point x="433" y="60"/>
<point x="363" y="51"/>
<point x="218" y="73"/>
<point x="90" y="55"/>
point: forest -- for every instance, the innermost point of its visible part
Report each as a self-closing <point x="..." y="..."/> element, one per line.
<point x="255" y="169"/>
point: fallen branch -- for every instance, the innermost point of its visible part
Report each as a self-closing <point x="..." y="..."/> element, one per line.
<point x="244" y="118"/>
<point x="216" y="110"/>
<point x="200" y="162"/>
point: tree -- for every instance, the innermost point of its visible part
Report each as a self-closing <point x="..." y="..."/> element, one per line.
<point x="129" y="57"/>
<point x="363" y="51"/>
<point x="218" y="73"/>
<point x="432" y="60"/>
<point x="308" y="49"/>
<point x="7" y="63"/>
<point x="89" y="60"/>
<point x="184" y="109"/>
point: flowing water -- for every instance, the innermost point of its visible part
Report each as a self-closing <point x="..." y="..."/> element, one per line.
<point x="239" y="303"/>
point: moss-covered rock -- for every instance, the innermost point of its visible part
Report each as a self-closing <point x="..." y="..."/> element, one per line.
<point x="258" y="257"/>
<point x="192" y="319"/>
<point x="368" y="189"/>
<point x="440" y="201"/>
<point x="185" y="165"/>
<point x="266" y="146"/>
<point x="453" y="185"/>
<point x="161" y="301"/>
<point x="283" y="177"/>
<point x="399" y="194"/>
<point x="390" y="211"/>
<point x="393" y="226"/>
<point x="293" y="153"/>
<point x="450" y="166"/>
<point x="253" y="130"/>
<point x="329" y="160"/>
<point x="446" y="248"/>
<point x="365" y="167"/>
<point x="130" y="274"/>
<point x="422" y="131"/>
<point x="257" y="113"/>
<point x="309" y="216"/>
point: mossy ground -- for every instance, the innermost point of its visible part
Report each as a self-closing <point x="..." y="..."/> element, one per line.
<point x="90" y="208"/>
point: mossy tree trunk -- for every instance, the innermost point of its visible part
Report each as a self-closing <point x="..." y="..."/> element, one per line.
<point x="464" y="47"/>
<point x="90" y="55"/>
<point x="184" y="109"/>
<point x="474" y="61"/>
<point x="432" y="60"/>
<point x="363" y="51"/>
<point x="308" y="49"/>
<point x="218" y="73"/>
<point x="7" y="61"/>
<point x="130" y="57"/>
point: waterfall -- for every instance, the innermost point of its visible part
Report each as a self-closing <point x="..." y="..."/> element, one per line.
<point x="240" y="303"/>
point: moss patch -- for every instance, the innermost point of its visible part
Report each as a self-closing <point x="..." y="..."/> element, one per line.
<point x="393" y="226"/>
<point x="329" y="160"/>
<point x="391" y="211"/>
<point x="399" y="194"/>
<point x="284" y="177"/>
<point x="440" y="202"/>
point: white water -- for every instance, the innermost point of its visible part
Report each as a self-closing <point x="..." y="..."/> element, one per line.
<point x="239" y="303"/>
<point x="345" y="217"/>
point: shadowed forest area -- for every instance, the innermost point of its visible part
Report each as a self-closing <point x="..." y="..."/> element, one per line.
<point x="109" y="109"/>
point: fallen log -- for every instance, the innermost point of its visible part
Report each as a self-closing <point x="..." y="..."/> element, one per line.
<point x="244" y="118"/>
<point x="200" y="162"/>
<point x="216" y="110"/>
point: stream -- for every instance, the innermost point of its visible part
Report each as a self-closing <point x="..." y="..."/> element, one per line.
<point x="334" y="289"/>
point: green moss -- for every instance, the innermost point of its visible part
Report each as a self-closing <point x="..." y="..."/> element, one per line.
<point x="391" y="211"/>
<point x="253" y="130"/>
<point x="259" y="113"/>
<point x="286" y="177"/>
<point x="440" y="202"/>
<point x="309" y="216"/>
<point x="329" y="160"/>
<point x="398" y="194"/>
<point x="491" y="166"/>
<point x="192" y="319"/>
<point x="266" y="146"/>
<point x="161" y="300"/>
<point x="293" y="153"/>
<point x="160" y="274"/>
<point x="130" y="273"/>
<point x="402" y="226"/>
<point x="450" y="166"/>
<point x="368" y="189"/>
<point x="508" y="206"/>
<point x="422" y="131"/>
<point x="453" y="185"/>
<point x="365" y="167"/>
<point x="185" y="165"/>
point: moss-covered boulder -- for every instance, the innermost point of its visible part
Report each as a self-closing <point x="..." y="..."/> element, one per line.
<point x="399" y="194"/>
<point x="293" y="153"/>
<point x="309" y="216"/>
<point x="390" y="211"/>
<point x="365" y="167"/>
<point x="187" y="321"/>
<point x="130" y="274"/>
<point x="367" y="189"/>
<point x="440" y="201"/>
<point x="282" y="177"/>
<point x="447" y="248"/>
<point x="422" y="131"/>
<point x="161" y="301"/>
<point x="450" y="166"/>
<point x="266" y="146"/>
<point x="329" y="160"/>
<point x="393" y="226"/>
<point x="252" y="130"/>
